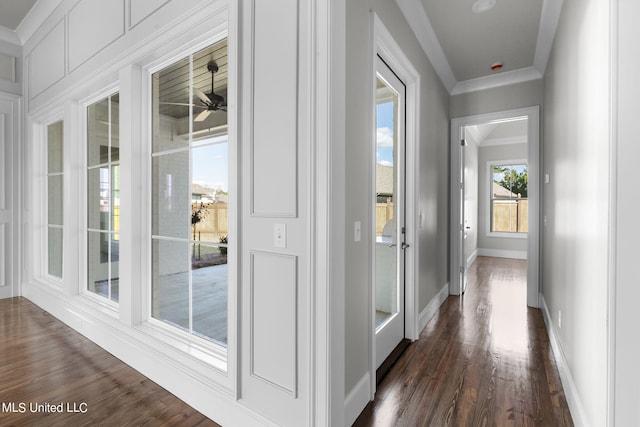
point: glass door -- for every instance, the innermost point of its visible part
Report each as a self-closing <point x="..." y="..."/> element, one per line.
<point x="389" y="212"/>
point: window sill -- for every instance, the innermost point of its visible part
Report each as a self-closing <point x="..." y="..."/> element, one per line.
<point x="508" y="235"/>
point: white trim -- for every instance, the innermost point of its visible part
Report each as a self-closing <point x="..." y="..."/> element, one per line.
<point x="503" y="141"/>
<point x="35" y="18"/>
<point x="327" y="212"/>
<point x="501" y="253"/>
<point x="496" y="80"/>
<point x="392" y="53"/>
<point x="418" y="20"/>
<point x="6" y="35"/>
<point x="568" y="385"/>
<point x="533" y="158"/>
<point x="434" y="305"/>
<point x="551" y="10"/>
<point x="472" y="258"/>
<point x="357" y="399"/>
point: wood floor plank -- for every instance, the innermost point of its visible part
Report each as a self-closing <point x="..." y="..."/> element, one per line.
<point x="44" y="361"/>
<point x="483" y="360"/>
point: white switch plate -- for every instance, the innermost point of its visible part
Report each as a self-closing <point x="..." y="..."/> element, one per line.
<point x="547" y="178"/>
<point x="280" y="235"/>
<point x="357" y="231"/>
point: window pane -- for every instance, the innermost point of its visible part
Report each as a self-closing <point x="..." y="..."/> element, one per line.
<point x="115" y="201"/>
<point x="54" y="147"/>
<point x="98" y="198"/>
<point x="509" y="204"/>
<point x="55" y="251"/>
<point x="55" y="200"/>
<point x="209" y="282"/>
<point x="115" y="128"/>
<point x="98" y="263"/>
<point x="171" y="104"/>
<point x="171" y="207"/>
<point x="98" y="133"/>
<point x="209" y="192"/>
<point x="170" y="291"/>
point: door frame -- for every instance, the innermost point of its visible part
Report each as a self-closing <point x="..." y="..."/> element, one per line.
<point x="533" y="154"/>
<point x="390" y="51"/>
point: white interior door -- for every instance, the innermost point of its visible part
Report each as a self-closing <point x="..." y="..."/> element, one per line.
<point x="389" y="195"/>
<point x="8" y="251"/>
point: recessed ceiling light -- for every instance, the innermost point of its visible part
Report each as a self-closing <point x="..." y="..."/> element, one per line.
<point x="481" y="6"/>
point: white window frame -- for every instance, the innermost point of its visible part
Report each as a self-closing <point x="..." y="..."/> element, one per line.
<point x="489" y="201"/>
<point x="40" y="193"/>
<point x="106" y="305"/>
<point x="219" y="357"/>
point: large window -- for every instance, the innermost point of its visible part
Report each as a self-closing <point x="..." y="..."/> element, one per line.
<point x="190" y="196"/>
<point x="509" y="203"/>
<point x="103" y="198"/>
<point x="55" y="150"/>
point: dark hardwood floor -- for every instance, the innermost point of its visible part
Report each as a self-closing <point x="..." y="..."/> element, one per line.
<point x="483" y="360"/>
<point x="42" y="361"/>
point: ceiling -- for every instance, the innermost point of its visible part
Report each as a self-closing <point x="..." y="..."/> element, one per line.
<point x="463" y="45"/>
<point x="12" y="12"/>
<point x="504" y="132"/>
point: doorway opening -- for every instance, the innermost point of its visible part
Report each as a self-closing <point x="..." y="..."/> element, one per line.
<point x="495" y="193"/>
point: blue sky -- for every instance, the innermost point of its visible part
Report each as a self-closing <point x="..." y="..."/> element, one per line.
<point x="384" y="134"/>
<point x="210" y="163"/>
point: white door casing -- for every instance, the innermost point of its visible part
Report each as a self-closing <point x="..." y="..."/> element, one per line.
<point x="9" y="194"/>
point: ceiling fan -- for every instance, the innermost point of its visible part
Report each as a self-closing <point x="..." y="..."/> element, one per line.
<point x="212" y="101"/>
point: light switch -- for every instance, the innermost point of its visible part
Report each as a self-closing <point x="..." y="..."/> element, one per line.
<point x="280" y="235"/>
<point x="547" y="178"/>
<point x="357" y="231"/>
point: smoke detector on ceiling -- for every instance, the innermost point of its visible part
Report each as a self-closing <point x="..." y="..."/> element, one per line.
<point x="481" y="6"/>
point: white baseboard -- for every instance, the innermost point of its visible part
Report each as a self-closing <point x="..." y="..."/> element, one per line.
<point x="499" y="253"/>
<point x="472" y="258"/>
<point x="570" y="391"/>
<point x="357" y="399"/>
<point x="431" y="308"/>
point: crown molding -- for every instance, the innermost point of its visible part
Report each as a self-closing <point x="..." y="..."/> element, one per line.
<point x="8" y="36"/>
<point x="496" y="80"/>
<point x="551" y="10"/>
<point x="418" y="21"/>
<point x="35" y="18"/>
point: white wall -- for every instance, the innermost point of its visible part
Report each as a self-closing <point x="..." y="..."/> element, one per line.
<point x="575" y="239"/>
<point x="494" y="243"/>
<point x="10" y="53"/>
<point x="433" y="154"/>
<point x="87" y="47"/>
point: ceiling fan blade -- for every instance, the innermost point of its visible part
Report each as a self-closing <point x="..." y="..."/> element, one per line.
<point x="202" y="116"/>
<point x="222" y="108"/>
<point x="204" y="98"/>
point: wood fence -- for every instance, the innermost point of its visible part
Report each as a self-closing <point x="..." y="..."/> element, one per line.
<point x="511" y="216"/>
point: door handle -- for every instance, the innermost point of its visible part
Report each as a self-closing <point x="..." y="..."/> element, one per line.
<point x="392" y="245"/>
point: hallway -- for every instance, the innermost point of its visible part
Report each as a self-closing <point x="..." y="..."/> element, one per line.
<point x="484" y="359"/>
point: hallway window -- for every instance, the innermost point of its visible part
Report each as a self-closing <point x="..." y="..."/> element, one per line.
<point x="103" y="198"/>
<point x="55" y="150"/>
<point x="509" y="202"/>
<point x="190" y="194"/>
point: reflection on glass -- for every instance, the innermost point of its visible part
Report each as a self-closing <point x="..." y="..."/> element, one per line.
<point x="54" y="147"/>
<point x="55" y="252"/>
<point x="55" y="199"/>
<point x="190" y="195"/>
<point x="170" y="286"/>
<point x="386" y="261"/>
<point x="103" y="198"/>
<point x="171" y="195"/>
<point x="209" y="283"/>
